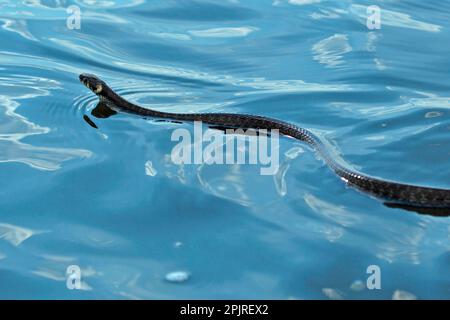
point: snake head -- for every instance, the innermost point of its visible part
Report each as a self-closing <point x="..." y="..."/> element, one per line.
<point x="92" y="82"/>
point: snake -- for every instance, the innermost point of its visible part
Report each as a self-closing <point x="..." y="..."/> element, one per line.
<point x="426" y="200"/>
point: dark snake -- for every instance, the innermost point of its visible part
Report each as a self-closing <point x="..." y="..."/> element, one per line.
<point x="425" y="200"/>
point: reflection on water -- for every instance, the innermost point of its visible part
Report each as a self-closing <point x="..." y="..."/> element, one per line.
<point x="331" y="50"/>
<point x="14" y="234"/>
<point x="15" y="128"/>
<point x="111" y="201"/>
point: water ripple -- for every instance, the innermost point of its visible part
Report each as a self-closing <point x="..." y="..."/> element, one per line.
<point x="118" y="207"/>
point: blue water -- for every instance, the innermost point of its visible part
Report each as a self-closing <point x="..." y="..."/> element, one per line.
<point x="139" y="226"/>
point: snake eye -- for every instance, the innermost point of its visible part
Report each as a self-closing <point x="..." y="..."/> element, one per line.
<point x="98" y="88"/>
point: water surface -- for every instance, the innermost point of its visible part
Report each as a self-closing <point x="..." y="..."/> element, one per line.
<point x="111" y="201"/>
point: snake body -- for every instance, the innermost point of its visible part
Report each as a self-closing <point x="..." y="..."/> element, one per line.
<point x="396" y="194"/>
